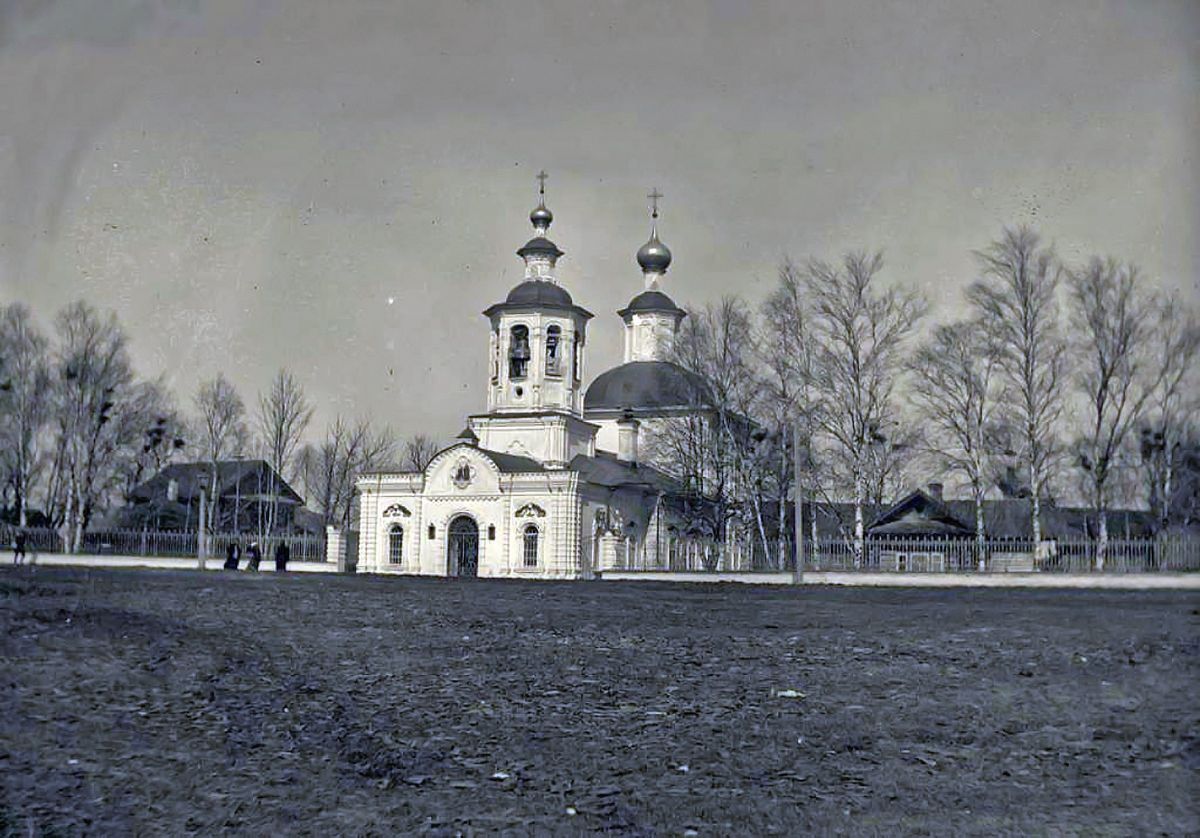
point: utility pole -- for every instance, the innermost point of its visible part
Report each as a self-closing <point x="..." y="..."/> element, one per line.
<point x="200" y="545"/>
<point x="798" y="504"/>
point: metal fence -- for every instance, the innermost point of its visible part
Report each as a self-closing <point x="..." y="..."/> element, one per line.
<point x="305" y="548"/>
<point x="932" y="555"/>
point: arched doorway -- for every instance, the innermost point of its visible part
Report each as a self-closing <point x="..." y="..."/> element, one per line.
<point x="462" y="547"/>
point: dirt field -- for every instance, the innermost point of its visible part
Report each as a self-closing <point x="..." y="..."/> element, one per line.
<point x="161" y="702"/>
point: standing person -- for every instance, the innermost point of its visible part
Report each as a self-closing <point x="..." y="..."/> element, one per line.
<point x="282" y="554"/>
<point x="232" y="553"/>
<point x="255" y="554"/>
<point x="18" y="546"/>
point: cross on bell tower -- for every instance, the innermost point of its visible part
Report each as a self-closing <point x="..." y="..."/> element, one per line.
<point x="654" y="196"/>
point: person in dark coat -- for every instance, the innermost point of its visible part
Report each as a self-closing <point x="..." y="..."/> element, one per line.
<point x="232" y="553"/>
<point x="282" y="554"/>
<point x="19" y="546"/>
<point x="255" y="554"/>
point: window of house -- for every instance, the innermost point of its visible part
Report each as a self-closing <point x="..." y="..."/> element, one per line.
<point x="432" y="532"/>
<point x="553" y="350"/>
<point x="491" y="532"/>
<point x="530" y="552"/>
<point x="396" y="544"/>
<point x="518" y="352"/>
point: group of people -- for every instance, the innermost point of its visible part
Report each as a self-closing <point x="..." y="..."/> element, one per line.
<point x="233" y="555"/>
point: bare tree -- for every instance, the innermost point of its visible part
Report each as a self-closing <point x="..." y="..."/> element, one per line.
<point x="1110" y="323"/>
<point x="150" y="430"/>
<point x="1174" y="349"/>
<point x="861" y="331"/>
<point x="786" y="359"/>
<point x="331" y="467"/>
<point x="220" y="430"/>
<point x="283" y="415"/>
<point x="24" y="401"/>
<point x="714" y="452"/>
<point x="94" y="378"/>
<point x="1017" y="298"/>
<point x="419" y="451"/>
<point x="955" y="392"/>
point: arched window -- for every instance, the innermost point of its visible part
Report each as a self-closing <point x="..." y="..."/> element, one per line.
<point x="530" y="543"/>
<point x="396" y="544"/>
<point x="553" y="350"/>
<point x="518" y="352"/>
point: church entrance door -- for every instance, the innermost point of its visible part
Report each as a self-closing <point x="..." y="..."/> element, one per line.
<point x="463" y="547"/>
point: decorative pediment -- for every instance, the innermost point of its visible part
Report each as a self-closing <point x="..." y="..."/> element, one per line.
<point x="464" y="473"/>
<point x="531" y="510"/>
<point x="396" y="510"/>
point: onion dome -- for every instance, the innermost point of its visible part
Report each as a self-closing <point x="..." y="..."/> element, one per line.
<point x="654" y="256"/>
<point x="541" y="218"/>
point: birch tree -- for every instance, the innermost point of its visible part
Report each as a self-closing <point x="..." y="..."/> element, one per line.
<point x="1016" y="297"/>
<point x="93" y="377"/>
<point x="24" y="401"/>
<point x="786" y="357"/>
<point x="221" y="431"/>
<point x="861" y="330"/>
<point x="1110" y="325"/>
<point x="954" y="389"/>
<point x="1174" y="365"/>
<point x="283" y="415"/>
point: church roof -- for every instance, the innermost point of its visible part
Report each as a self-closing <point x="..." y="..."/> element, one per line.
<point x="540" y="244"/>
<point x="647" y="385"/>
<point x="651" y="301"/>
<point x="539" y="292"/>
<point x="512" y="463"/>
<point x="606" y="470"/>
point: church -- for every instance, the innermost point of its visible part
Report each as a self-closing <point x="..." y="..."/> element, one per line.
<point x="551" y="481"/>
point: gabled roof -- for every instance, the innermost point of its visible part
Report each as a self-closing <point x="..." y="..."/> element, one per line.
<point x="190" y="478"/>
<point x="919" y="513"/>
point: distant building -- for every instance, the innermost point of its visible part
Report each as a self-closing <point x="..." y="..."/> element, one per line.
<point x="245" y="490"/>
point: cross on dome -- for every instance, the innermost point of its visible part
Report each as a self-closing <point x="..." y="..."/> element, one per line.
<point x="654" y="257"/>
<point x="541" y="217"/>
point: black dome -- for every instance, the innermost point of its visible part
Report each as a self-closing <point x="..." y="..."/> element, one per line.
<point x="539" y="292"/>
<point x="647" y="385"/>
<point x="651" y="301"/>
<point x="540" y="244"/>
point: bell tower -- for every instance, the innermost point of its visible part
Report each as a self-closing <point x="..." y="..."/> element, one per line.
<point x="536" y="353"/>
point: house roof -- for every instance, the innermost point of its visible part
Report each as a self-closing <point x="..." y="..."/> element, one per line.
<point x="918" y="513"/>
<point x="1006" y="518"/>
<point x="190" y="478"/>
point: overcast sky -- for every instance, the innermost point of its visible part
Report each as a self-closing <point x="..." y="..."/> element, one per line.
<point x="339" y="187"/>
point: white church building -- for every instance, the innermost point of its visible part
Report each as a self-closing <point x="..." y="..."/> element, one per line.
<point x="548" y="482"/>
